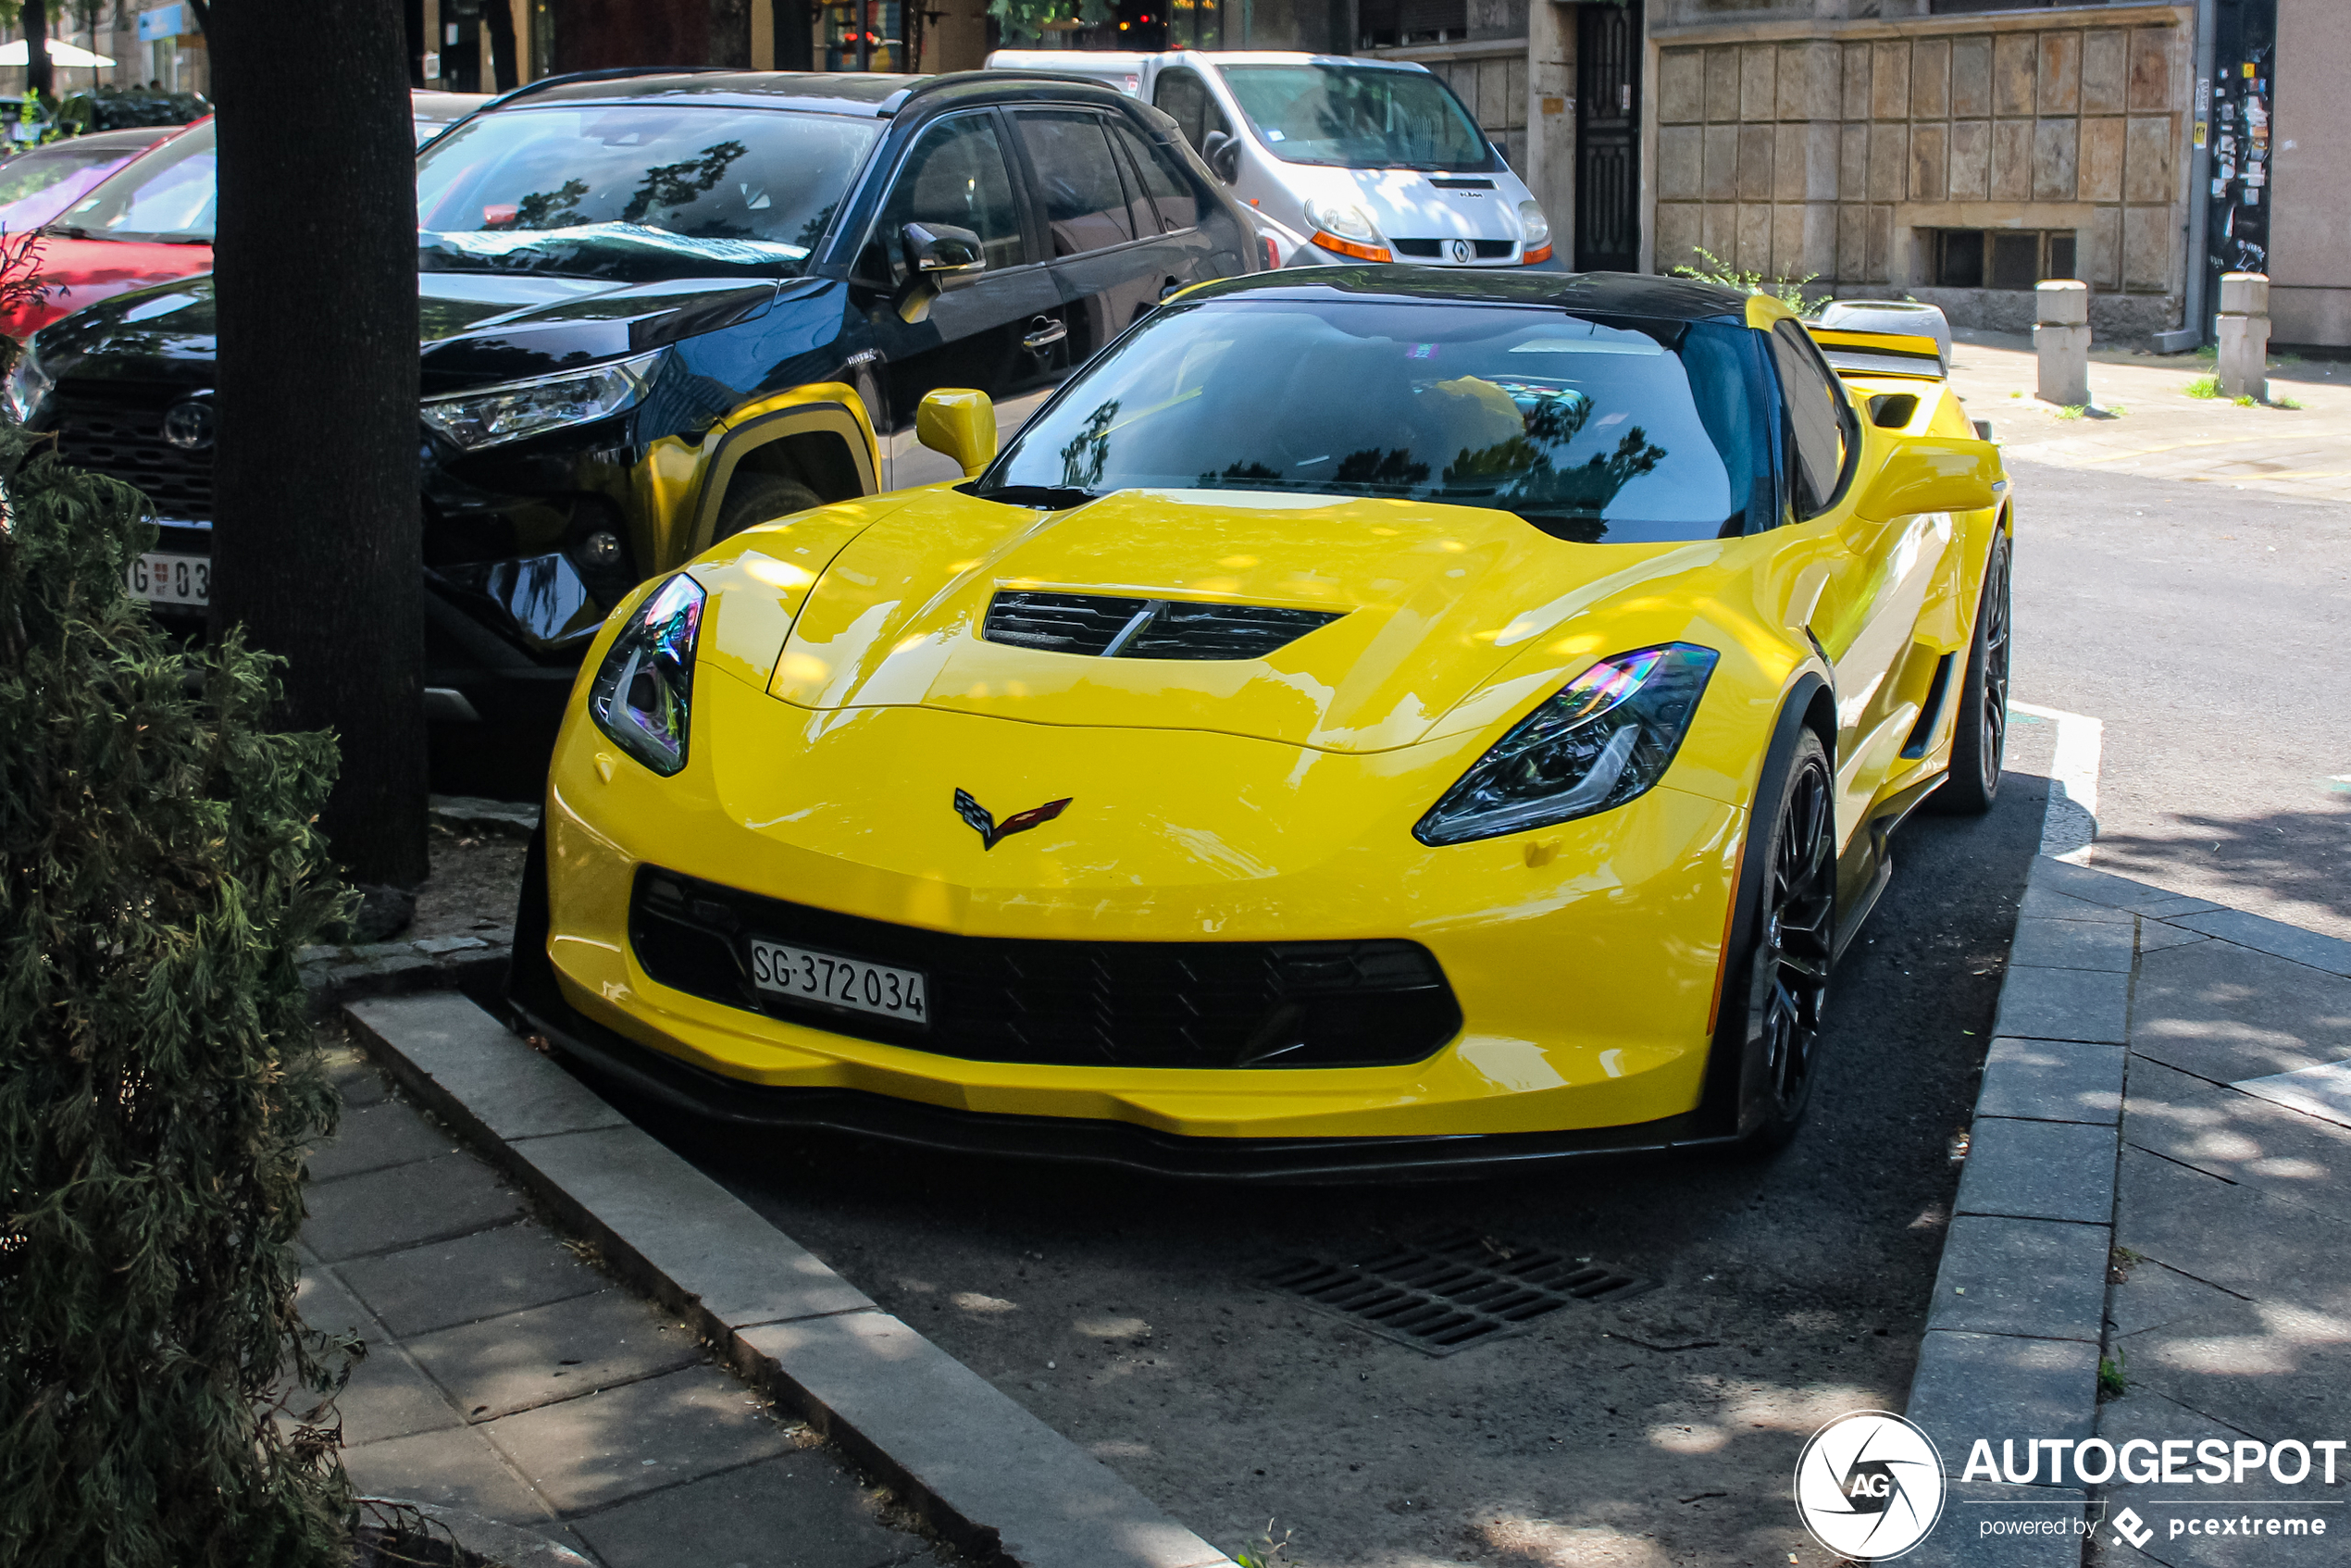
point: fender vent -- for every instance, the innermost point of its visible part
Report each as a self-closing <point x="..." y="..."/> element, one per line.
<point x="1452" y="1291"/>
<point x="1106" y="628"/>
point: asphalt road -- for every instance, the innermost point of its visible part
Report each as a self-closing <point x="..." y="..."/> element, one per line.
<point x="2209" y="630"/>
<point x="1128" y="1313"/>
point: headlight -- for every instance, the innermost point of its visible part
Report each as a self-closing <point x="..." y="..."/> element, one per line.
<point x="28" y="385"/>
<point x="1340" y="218"/>
<point x="496" y="414"/>
<point x="646" y="683"/>
<point x="1533" y="227"/>
<point x="1606" y="738"/>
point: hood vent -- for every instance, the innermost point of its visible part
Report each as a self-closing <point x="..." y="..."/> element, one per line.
<point x="1106" y="628"/>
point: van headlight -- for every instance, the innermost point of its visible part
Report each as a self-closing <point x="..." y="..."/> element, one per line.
<point x="28" y="385"/>
<point x="643" y="694"/>
<point x="495" y="416"/>
<point x="1534" y="230"/>
<point x="1606" y="738"/>
<point x="1344" y="219"/>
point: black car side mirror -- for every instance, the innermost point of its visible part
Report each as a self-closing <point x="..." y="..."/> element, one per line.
<point x="1222" y="153"/>
<point x="943" y="253"/>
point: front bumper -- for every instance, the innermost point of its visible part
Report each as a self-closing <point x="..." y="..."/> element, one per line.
<point x="1584" y="959"/>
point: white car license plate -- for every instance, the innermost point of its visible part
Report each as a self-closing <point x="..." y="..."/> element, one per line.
<point x="843" y="982"/>
<point x="171" y="579"/>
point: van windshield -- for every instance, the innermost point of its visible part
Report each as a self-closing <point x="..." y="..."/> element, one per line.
<point x="635" y="193"/>
<point x="1359" y="116"/>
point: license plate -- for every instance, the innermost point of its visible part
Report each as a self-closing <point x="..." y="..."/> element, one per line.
<point x="171" y="579"/>
<point x="841" y="982"/>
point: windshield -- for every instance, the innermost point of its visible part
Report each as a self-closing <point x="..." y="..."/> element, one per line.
<point x="1629" y="432"/>
<point x="1359" y="116"/>
<point x="636" y="193"/>
<point x="163" y="194"/>
<point x="36" y="186"/>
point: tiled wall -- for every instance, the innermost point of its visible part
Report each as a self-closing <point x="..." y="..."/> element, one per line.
<point x="1829" y="155"/>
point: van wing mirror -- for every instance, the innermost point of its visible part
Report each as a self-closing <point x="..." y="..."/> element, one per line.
<point x="1222" y="151"/>
<point x="942" y="252"/>
<point x="1933" y="474"/>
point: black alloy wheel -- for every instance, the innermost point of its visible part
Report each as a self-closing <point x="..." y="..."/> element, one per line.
<point x="1788" y="984"/>
<point x="1979" y="742"/>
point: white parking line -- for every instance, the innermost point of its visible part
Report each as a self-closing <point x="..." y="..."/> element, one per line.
<point x="2070" y="829"/>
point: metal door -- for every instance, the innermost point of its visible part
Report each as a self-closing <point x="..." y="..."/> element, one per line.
<point x="1608" y="137"/>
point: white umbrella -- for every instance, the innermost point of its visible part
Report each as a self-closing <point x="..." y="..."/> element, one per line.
<point x="61" y="53"/>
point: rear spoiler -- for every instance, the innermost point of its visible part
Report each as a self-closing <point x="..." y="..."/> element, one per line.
<point x="1879" y="353"/>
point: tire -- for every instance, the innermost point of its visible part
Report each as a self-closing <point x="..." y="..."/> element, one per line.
<point x="1979" y="742"/>
<point x="756" y="498"/>
<point x="1784" y="976"/>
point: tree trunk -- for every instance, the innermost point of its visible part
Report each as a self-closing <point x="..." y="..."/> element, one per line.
<point x="36" y="47"/>
<point x="318" y="546"/>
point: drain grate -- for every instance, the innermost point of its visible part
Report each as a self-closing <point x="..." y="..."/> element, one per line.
<point x="1450" y="1291"/>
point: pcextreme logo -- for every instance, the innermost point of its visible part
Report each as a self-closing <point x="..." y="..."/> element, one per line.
<point x="1868" y="1485"/>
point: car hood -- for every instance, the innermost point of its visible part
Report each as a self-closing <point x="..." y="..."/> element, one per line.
<point x="1409" y="204"/>
<point x="81" y="273"/>
<point x="1432" y="601"/>
<point x="474" y="328"/>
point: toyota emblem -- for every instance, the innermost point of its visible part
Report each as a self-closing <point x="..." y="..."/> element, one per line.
<point x="1461" y="250"/>
<point x="187" y="425"/>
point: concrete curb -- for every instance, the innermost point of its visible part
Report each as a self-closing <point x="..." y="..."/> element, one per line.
<point x="980" y="1468"/>
<point x="510" y="1546"/>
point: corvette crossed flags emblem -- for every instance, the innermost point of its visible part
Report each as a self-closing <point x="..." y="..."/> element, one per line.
<point x="990" y="831"/>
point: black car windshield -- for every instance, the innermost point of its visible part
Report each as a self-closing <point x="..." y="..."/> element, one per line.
<point x="1359" y="116"/>
<point x="164" y="195"/>
<point x="1627" y="431"/>
<point x="635" y="193"/>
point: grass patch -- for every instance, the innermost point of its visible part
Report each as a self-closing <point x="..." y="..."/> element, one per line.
<point x="2111" y="1384"/>
<point x="2073" y="411"/>
<point x="2285" y="403"/>
<point x="2247" y="401"/>
<point x="2203" y="386"/>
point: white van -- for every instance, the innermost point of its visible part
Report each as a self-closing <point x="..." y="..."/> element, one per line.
<point x="1350" y="159"/>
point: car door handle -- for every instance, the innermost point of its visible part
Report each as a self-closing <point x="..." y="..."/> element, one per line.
<point x="1043" y="334"/>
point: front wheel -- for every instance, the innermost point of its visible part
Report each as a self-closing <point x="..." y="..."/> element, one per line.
<point x="1786" y="973"/>
<point x="757" y="498"/>
<point x="1979" y="740"/>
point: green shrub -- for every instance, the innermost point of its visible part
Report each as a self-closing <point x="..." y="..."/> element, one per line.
<point x="161" y="1404"/>
<point x="1788" y="293"/>
<point x="2203" y="386"/>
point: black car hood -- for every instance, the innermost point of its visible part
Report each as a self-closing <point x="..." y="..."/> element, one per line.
<point x="477" y="328"/>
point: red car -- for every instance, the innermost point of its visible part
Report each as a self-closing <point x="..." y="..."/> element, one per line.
<point x="148" y="222"/>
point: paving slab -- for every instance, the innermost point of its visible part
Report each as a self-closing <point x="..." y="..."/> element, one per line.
<point x="2268" y="1369"/>
<point x="2064" y="1004"/>
<point x="2235" y="1237"/>
<point x="2157" y="935"/>
<point x="2151" y="1294"/>
<point x="2043" y="903"/>
<point x="551" y="1353"/>
<point x="2332" y="955"/>
<point x="2102" y="888"/>
<point x="785" y="1512"/>
<point x="374" y="1136"/>
<point x="2052" y="1081"/>
<point x="2242" y="1137"/>
<point x="2323" y="1093"/>
<point x="2226" y="1013"/>
<point x="2143" y="1416"/>
<point x="2041" y="1278"/>
<point x="381" y="1211"/>
<point x="457" y="1468"/>
<point x="2072" y="944"/>
<point x="388" y="1395"/>
<point x="1971" y="1385"/>
<point x="2039" y="1170"/>
<point x="602" y="1447"/>
<point x="485" y="1274"/>
<point x="1986" y="1524"/>
<point x="354" y="1074"/>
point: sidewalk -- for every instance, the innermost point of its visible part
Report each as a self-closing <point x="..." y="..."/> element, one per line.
<point x="2161" y="432"/>
<point x="2159" y="1184"/>
<point x="508" y="1377"/>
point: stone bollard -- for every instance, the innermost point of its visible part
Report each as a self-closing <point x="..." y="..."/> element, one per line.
<point x="2062" y="342"/>
<point x="2243" y="328"/>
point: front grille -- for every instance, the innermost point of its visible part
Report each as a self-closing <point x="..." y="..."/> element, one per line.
<point x="1108" y="628"/>
<point x="1487" y="250"/>
<point x="119" y="431"/>
<point x="1067" y="1003"/>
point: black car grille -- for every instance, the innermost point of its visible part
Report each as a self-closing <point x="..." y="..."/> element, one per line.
<point x="1145" y="628"/>
<point x="1067" y="1002"/>
<point x="1487" y="250"/>
<point x="119" y="434"/>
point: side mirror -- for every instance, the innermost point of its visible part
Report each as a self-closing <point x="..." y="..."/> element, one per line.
<point x="1933" y="474"/>
<point x="1222" y="151"/>
<point x="960" y="425"/>
<point x="941" y="250"/>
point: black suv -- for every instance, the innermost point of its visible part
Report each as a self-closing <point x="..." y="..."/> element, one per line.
<point x="661" y="307"/>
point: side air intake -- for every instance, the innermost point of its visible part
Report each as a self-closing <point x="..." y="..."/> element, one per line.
<point x="1106" y="628"/>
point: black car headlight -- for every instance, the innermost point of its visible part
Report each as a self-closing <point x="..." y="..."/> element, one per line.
<point x="1607" y="737"/>
<point x="644" y="689"/>
<point x="495" y="416"/>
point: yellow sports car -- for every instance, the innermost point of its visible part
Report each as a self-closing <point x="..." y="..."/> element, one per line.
<point x="1370" y="718"/>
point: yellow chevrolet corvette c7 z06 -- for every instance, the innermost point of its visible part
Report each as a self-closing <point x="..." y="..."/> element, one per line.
<point x="1371" y="720"/>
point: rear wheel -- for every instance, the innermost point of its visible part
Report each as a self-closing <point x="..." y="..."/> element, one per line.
<point x="1979" y="742"/>
<point x="757" y="498"/>
<point x="1787" y="969"/>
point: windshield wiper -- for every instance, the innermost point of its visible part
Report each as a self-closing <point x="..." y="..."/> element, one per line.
<point x="1052" y="498"/>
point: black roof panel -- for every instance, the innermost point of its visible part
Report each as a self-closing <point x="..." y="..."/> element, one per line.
<point x="1615" y="293"/>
